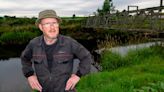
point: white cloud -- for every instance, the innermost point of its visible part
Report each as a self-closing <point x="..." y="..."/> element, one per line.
<point x="123" y="4"/>
<point x="65" y="7"/>
<point x="148" y="3"/>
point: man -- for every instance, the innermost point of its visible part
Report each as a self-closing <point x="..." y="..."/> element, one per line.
<point x="48" y="59"/>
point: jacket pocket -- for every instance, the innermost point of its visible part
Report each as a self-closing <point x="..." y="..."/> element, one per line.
<point x="38" y="59"/>
<point x="63" y="58"/>
<point x="39" y="66"/>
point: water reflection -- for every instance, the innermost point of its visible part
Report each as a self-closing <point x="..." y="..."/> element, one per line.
<point x="11" y="77"/>
<point x="123" y="50"/>
<point x="8" y="51"/>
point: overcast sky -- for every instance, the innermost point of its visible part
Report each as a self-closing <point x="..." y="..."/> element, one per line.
<point x="31" y="8"/>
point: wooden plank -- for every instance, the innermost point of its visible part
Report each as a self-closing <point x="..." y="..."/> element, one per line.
<point x="147" y="9"/>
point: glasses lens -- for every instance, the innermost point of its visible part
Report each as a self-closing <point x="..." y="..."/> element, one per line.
<point x="50" y="24"/>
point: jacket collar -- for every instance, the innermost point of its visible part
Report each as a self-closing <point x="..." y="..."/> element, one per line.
<point x="61" y="40"/>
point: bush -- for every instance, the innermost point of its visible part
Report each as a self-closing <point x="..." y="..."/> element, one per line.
<point x="17" y="37"/>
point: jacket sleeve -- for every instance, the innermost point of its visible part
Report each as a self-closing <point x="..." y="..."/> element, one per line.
<point x="84" y="56"/>
<point x="26" y="57"/>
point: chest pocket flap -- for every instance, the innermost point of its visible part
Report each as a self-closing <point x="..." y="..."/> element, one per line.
<point x="37" y="59"/>
<point x="63" y="57"/>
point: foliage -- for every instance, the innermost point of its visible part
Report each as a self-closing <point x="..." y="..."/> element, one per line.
<point x="20" y="30"/>
<point x="106" y="8"/>
<point x="113" y="38"/>
<point x="17" y="37"/>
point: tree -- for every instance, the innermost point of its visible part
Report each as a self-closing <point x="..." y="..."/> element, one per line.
<point x="73" y="16"/>
<point x="106" y="8"/>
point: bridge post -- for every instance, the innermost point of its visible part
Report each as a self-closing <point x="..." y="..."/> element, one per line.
<point x="133" y="6"/>
<point x="161" y="2"/>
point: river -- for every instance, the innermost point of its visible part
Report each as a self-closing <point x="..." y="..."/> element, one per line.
<point x="11" y="77"/>
<point x="123" y="50"/>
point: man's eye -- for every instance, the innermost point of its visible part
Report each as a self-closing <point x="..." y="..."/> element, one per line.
<point x="50" y="24"/>
<point x="54" y="23"/>
<point x="46" y="23"/>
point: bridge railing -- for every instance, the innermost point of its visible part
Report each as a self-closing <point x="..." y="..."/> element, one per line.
<point x="141" y="19"/>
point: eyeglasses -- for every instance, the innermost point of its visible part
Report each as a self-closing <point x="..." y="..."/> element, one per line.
<point x="49" y="24"/>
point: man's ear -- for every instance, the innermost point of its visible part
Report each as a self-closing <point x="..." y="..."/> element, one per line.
<point x="40" y="27"/>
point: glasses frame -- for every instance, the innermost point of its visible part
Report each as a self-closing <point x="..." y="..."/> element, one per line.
<point x="49" y="24"/>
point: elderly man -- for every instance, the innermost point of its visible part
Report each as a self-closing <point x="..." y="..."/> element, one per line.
<point x="47" y="61"/>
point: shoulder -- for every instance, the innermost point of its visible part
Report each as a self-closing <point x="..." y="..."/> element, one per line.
<point x="66" y="38"/>
<point x="70" y="41"/>
<point x="35" y="40"/>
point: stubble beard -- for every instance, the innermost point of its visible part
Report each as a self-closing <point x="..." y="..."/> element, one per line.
<point x="50" y="39"/>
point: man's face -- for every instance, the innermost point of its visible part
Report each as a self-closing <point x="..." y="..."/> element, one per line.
<point x="49" y="27"/>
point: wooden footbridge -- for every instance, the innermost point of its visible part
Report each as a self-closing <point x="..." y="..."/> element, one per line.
<point x="148" y="20"/>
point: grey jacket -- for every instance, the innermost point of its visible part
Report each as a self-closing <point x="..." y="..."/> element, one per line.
<point x="62" y="65"/>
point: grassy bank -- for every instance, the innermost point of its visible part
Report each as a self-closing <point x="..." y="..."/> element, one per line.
<point x="138" y="71"/>
<point x="20" y="30"/>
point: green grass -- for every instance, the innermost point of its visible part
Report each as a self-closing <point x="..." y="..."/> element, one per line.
<point x="139" y="71"/>
<point x="111" y="61"/>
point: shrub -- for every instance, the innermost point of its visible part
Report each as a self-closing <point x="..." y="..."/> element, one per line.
<point x="17" y="37"/>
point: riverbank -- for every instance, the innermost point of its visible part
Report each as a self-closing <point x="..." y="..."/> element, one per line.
<point x="138" y="71"/>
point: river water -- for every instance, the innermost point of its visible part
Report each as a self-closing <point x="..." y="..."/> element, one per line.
<point x="123" y="50"/>
<point x="11" y="77"/>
